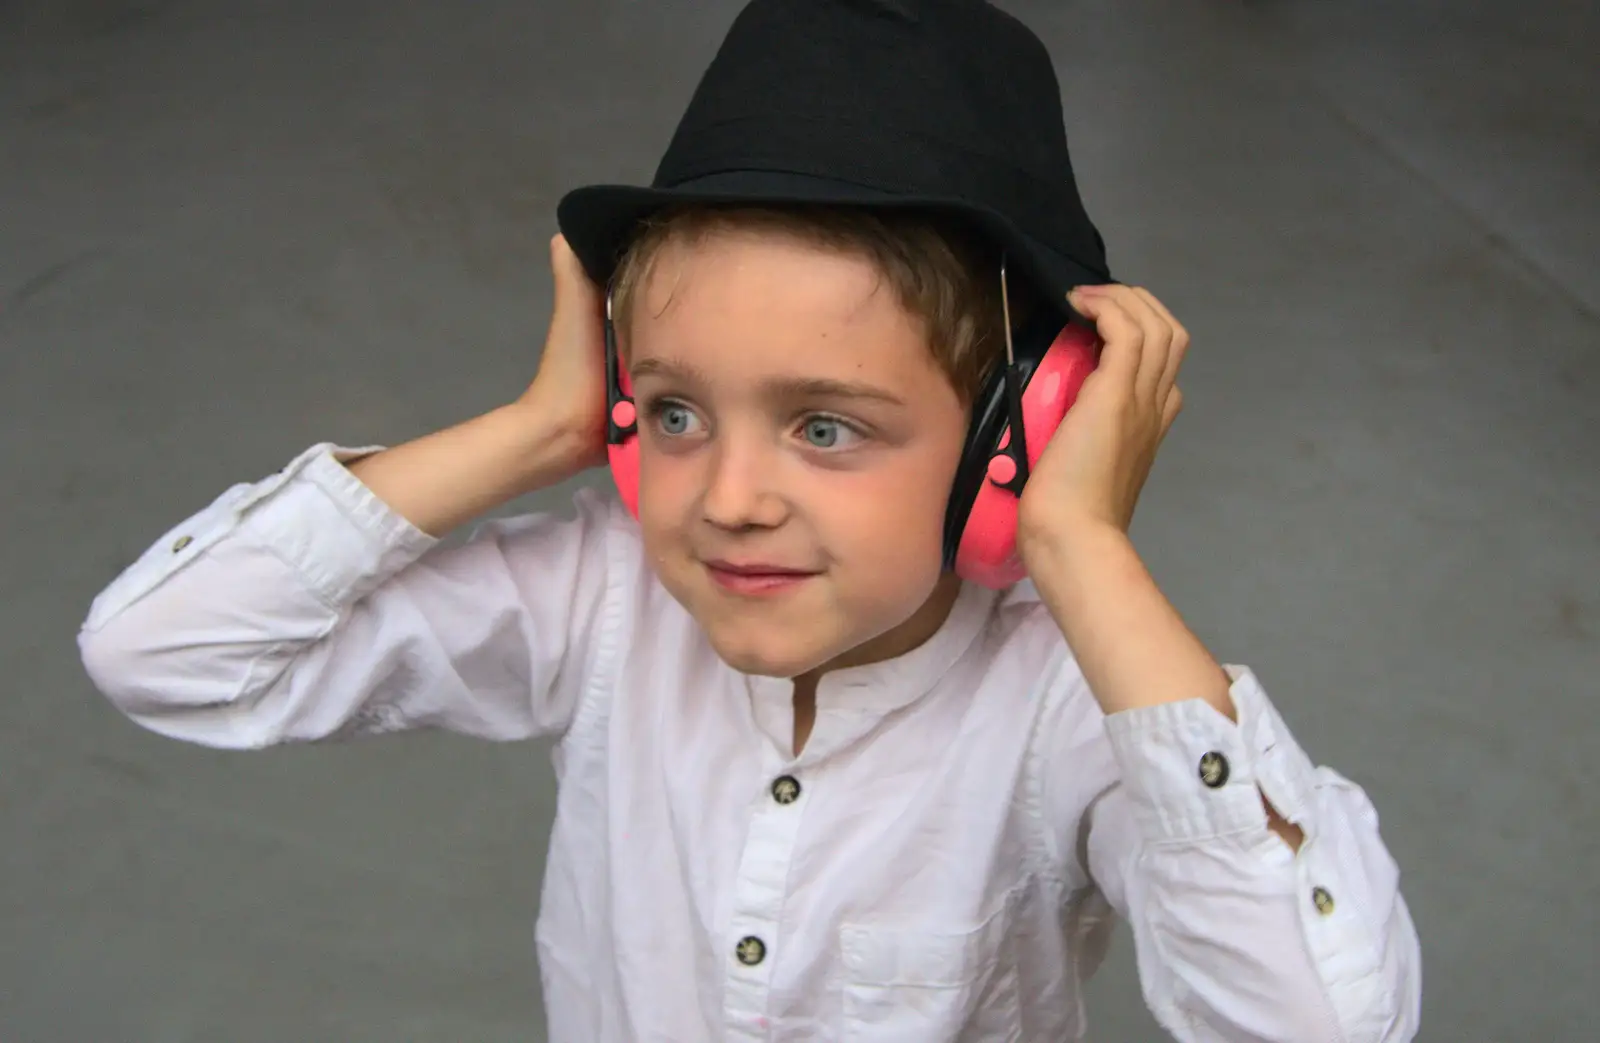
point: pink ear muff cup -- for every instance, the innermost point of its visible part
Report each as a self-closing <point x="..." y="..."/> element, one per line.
<point x="625" y="457"/>
<point x="987" y="554"/>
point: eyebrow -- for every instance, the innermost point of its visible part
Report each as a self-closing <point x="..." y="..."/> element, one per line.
<point x="779" y="387"/>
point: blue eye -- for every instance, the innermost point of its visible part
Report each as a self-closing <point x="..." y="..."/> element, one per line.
<point x="826" y="432"/>
<point x="673" y="419"/>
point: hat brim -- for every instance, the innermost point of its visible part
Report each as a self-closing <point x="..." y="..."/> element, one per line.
<point x="598" y="221"/>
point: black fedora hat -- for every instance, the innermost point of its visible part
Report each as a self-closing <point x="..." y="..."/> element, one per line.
<point x="943" y="105"/>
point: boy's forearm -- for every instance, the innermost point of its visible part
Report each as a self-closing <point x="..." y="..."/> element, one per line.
<point x="445" y="479"/>
<point x="1131" y="644"/>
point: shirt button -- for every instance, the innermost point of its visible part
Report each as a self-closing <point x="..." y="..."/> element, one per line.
<point x="1323" y="900"/>
<point x="182" y="542"/>
<point x="1214" y="769"/>
<point x="750" y="950"/>
<point x="786" y="789"/>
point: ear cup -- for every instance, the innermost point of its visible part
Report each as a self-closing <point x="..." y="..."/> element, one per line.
<point x="623" y="444"/>
<point x="987" y="552"/>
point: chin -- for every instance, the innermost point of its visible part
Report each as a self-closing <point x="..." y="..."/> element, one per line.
<point x="768" y="659"/>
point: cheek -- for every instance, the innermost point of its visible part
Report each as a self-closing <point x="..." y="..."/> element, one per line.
<point x="667" y="485"/>
<point x="894" y="518"/>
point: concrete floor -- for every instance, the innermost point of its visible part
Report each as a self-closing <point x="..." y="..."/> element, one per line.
<point x="229" y="230"/>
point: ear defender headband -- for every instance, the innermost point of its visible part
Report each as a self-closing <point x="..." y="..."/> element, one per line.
<point x="1015" y="414"/>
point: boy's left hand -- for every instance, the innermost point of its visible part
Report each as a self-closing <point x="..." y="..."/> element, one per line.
<point x="1095" y="466"/>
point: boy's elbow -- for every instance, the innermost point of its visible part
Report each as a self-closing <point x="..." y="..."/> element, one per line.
<point x="1342" y="999"/>
<point x="120" y="669"/>
<point x="1401" y="1016"/>
<point x="155" y="686"/>
<point x="1384" y="1006"/>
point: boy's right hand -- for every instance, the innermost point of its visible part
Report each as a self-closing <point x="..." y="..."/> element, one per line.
<point x="552" y="431"/>
<point x="569" y="390"/>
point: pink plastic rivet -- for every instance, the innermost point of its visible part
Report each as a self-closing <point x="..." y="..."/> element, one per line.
<point x="623" y="415"/>
<point x="1002" y="469"/>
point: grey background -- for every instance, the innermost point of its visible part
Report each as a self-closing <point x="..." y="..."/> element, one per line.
<point x="230" y="229"/>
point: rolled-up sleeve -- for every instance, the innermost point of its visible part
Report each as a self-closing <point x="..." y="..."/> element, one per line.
<point x="1240" y="938"/>
<point x="301" y="607"/>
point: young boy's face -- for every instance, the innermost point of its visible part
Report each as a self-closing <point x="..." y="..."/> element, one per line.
<point x="798" y="442"/>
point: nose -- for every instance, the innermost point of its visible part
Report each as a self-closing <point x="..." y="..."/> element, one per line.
<point x="742" y="486"/>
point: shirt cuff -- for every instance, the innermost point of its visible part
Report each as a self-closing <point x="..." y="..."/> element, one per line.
<point x="326" y="524"/>
<point x="1193" y="774"/>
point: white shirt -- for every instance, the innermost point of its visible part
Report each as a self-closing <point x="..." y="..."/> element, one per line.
<point x="941" y="862"/>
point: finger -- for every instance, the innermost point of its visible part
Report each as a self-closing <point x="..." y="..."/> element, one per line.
<point x="1157" y="340"/>
<point x="572" y="283"/>
<point x="1122" y="339"/>
<point x="1171" y="406"/>
<point x="578" y="301"/>
<point x="1179" y="346"/>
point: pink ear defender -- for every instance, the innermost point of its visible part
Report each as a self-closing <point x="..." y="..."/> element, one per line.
<point x="1046" y="365"/>
<point x="987" y="553"/>
<point x="622" y="421"/>
<point x="1030" y="396"/>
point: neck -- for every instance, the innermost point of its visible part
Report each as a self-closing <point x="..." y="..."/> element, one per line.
<point x="922" y="625"/>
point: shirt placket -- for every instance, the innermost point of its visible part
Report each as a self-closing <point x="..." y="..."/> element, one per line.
<point x="755" y="941"/>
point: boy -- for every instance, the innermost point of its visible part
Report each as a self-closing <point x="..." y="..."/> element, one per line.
<point x="813" y="785"/>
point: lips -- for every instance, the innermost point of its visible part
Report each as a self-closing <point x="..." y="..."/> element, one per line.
<point x="756" y="577"/>
<point x="756" y="569"/>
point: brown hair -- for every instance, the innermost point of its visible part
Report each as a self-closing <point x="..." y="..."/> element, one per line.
<point x="940" y="272"/>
